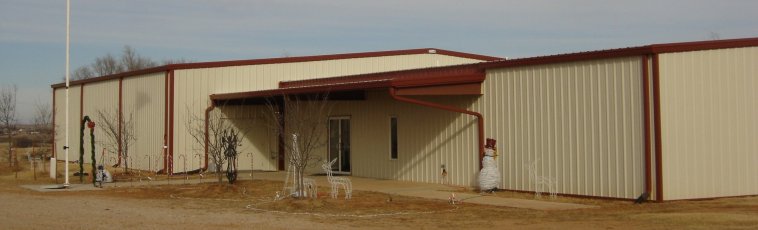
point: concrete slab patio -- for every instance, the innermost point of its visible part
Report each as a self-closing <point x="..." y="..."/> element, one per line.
<point x="432" y="191"/>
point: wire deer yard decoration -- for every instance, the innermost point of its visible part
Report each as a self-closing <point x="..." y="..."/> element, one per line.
<point x="336" y="182"/>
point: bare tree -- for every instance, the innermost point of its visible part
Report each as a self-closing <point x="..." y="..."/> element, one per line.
<point x="174" y="61"/>
<point x="8" y="115"/>
<point x="132" y="61"/>
<point x="714" y="35"/>
<point x="82" y="72"/>
<point x="221" y="136"/>
<point x="305" y="119"/>
<point x="215" y="126"/>
<point x="43" y="116"/>
<point x="125" y="134"/>
<point x="107" y="65"/>
<point x="42" y="121"/>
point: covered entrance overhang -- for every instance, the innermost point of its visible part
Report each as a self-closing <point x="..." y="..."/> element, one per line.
<point x="455" y="80"/>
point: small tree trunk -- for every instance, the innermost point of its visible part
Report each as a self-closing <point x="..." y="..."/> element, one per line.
<point x="300" y="184"/>
<point x="218" y="173"/>
<point x="10" y="147"/>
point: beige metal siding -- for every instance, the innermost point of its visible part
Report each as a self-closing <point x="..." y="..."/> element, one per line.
<point x="708" y="120"/>
<point x="193" y="86"/>
<point x="583" y="121"/>
<point x="427" y="139"/>
<point x="100" y="96"/>
<point x="144" y="99"/>
<point x="60" y="125"/>
<point x="258" y="147"/>
<point x="74" y="117"/>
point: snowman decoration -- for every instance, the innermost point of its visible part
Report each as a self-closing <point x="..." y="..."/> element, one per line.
<point x="489" y="176"/>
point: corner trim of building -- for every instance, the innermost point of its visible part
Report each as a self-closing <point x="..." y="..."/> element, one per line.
<point x="165" y="119"/>
<point x="657" y="129"/>
<point x="646" y="118"/>
<point x="52" y="141"/>
<point x="170" y="164"/>
<point x="120" y="119"/>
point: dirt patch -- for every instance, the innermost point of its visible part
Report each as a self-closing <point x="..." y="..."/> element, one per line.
<point x="249" y="204"/>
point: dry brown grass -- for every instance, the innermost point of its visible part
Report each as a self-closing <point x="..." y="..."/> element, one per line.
<point x="732" y="213"/>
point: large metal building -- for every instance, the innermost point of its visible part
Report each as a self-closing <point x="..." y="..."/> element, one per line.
<point x="675" y="120"/>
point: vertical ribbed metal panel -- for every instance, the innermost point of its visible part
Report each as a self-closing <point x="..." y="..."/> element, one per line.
<point x="99" y="96"/>
<point x="74" y="117"/>
<point x="427" y="139"/>
<point x="193" y="86"/>
<point x="60" y="110"/>
<point x="582" y="121"/>
<point x="259" y="140"/>
<point x="708" y="123"/>
<point x="144" y="100"/>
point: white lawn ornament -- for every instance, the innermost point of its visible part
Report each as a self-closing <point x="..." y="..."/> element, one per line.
<point x="336" y="182"/>
<point x="451" y="199"/>
<point x="309" y="185"/>
<point x="311" y="190"/>
<point x="489" y="176"/>
<point x="540" y="182"/>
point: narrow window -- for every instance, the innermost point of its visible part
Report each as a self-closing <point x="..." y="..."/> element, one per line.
<point x="393" y="138"/>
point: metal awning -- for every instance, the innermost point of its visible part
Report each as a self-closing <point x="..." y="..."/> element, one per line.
<point x="455" y="80"/>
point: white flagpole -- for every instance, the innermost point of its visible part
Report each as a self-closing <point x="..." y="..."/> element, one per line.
<point x="68" y="41"/>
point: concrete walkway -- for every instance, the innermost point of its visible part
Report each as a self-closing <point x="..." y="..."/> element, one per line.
<point x="412" y="189"/>
<point x="432" y="191"/>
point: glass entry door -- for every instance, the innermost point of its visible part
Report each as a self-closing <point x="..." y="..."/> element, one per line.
<point x="339" y="143"/>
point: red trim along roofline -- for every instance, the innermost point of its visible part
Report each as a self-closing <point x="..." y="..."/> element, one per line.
<point x="447" y="75"/>
<point x="406" y="75"/>
<point x="281" y="60"/>
<point x="624" y="52"/>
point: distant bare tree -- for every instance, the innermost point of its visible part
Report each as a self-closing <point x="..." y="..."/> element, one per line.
<point x="714" y="35"/>
<point x="107" y="65"/>
<point x="132" y="61"/>
<point x="109" y="124"/>
<point x="8" y="114"/>
<point x="175" y="61"/>
<point x="82" y="72"/>
<point x="305" y="117"/>
<point x="43" y="116"/>
<point x="43" y="120"/>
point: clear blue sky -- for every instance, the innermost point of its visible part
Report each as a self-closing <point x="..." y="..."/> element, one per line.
<point x="32" y="32"/>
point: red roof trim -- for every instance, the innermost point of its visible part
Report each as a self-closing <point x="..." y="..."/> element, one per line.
<point x="703" y="45"/>
<point x="283" y="60"/>
<point x="625" y="52"/>
<point x="114" y="76"/>
<point x="301" y="90"/>
<point x="357" y="82"/>
<point x="427" y="73"/>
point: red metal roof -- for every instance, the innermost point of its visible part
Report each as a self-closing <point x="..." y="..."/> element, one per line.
<point x="281" y="60"/>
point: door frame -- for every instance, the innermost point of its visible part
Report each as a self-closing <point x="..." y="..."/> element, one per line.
<point x="329" y="144"/>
